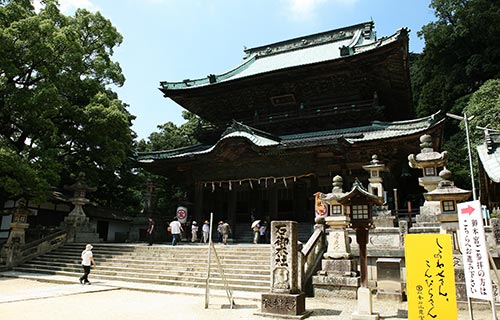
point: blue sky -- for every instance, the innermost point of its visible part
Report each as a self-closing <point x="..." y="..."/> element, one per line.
<point x="173" y="40"/>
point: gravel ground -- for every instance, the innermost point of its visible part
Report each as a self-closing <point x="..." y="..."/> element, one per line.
<point x="33" y="300"/>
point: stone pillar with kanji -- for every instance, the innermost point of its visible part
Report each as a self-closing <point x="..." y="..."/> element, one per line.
<point x="285" y="297"/>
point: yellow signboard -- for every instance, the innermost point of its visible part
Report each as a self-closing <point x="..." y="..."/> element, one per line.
<point x="430" y="279"/>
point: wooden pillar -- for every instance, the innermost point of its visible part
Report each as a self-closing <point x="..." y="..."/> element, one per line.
<point x="273" y="203"/>
<point x="198" y="206"/>
<point x="362" y="240"/>
<point x="231" y="211"/>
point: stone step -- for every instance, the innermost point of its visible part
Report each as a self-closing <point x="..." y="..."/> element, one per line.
<point x="239" y="272"/>
<point x="229" y="263"/>
<point x="241" y="265"/>
<point x="197" y="282"/>
<point x="246" y="267"/>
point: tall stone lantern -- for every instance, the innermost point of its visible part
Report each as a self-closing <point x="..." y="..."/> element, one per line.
<point x="429" y="161"/>
<point x="77" y="223"/>
<point x="382" y="217"/>
<point x="360" y="203"/>
<point x="375" y="168"/>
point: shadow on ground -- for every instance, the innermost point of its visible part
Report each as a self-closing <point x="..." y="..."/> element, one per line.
<point x="239" y="306"/>
<point x="325" y="312"/>
<point x="401" y="314"/>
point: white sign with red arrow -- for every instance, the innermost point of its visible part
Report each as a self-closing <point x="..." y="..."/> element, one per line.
<point x="474" y="254"/>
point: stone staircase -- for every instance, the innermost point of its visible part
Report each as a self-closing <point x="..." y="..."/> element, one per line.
<point x="246" y="267"/>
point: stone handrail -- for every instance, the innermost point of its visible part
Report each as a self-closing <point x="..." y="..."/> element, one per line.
<point x="20" y="253"/>
<point x="310" y="255"/>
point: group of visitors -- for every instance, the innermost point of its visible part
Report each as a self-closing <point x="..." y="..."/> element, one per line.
<point x="175" y="229"/>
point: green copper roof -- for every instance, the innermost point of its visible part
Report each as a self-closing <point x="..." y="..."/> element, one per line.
<point x="489" y="155"/>
<point x="330" y="45"/>
<point x="376" y="131"/>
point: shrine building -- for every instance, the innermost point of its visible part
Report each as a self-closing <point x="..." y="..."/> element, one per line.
<point x="293" y="115"/>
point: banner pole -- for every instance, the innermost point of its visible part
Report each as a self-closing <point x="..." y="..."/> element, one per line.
<point x="207" y="289"/>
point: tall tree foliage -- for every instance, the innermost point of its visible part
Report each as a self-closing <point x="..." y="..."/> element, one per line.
<point x="170" y="136"/>
<point x="484" y="105"/>
<point x="462" y="50"/>
<point x="57" y="113"/>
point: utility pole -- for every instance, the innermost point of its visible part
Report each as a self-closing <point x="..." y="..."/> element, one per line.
<point x="466" y="121"/>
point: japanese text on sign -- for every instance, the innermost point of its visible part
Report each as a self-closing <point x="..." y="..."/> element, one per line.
<point x="474" y="255"/>
<point x="430" y="277"/>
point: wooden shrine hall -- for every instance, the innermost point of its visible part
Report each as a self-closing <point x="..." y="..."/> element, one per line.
<point x="289" y="118"/>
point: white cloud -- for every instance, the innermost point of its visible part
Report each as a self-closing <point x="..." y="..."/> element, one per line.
<point x="69" y="6"/>
<point x="306" y="9"/>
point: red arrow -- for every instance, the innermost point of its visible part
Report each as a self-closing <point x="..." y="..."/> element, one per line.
<point x="468" y="210"/>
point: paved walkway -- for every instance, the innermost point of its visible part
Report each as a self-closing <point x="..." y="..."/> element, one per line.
<point x="29" y="299"/>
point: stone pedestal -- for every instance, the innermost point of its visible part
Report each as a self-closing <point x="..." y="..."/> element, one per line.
<point x="365" y="311"/>
<point x="79" y="228"/>
<point x="288" y="306"/>
<point x="337" y="276"/>
<point x="337" y="238"/>
<point x="428" y="214"/>
<point x="384" y="221"/>
<point x="389" y="283"/>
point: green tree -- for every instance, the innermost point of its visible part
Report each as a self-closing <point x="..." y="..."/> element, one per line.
<point x="462" y="50"/>
<point x="57" y="113"/>
<point x="484" y="105"/>
<point x="170" y="136"/>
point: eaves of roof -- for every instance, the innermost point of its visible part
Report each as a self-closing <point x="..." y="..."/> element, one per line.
<point x="490" y="162"/>
<point x="376" y="131"/>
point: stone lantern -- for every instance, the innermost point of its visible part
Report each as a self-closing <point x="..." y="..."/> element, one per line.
<point x="360" y="203"/>
<point x="77" y="223"/>
<point x="375" y="168"/>
<point x="447" y="195"/>
<point x="429" y="161"/>
<point x="337" y="221"/>
<point x="382" y="217"/>
<point x="19" y="223"/>
<point x="338" y="268"/>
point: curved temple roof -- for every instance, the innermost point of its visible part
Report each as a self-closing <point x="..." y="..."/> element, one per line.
<point x="376" y="131"/>
<point x="320" y="47"/>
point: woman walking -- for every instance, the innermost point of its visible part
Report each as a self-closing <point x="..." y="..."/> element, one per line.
<point x="87" y="262"/>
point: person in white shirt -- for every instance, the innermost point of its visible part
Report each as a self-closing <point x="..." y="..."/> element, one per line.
<point x="194" y="232"/>
<point x="176" y="229"/>
<point x="206" y="230"/>
<point x="87" y="262"/>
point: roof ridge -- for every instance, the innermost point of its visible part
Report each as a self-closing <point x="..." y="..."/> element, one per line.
<point x="310" y="40"/>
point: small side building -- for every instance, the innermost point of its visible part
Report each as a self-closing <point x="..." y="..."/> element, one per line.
<point x="489" y="170"/>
